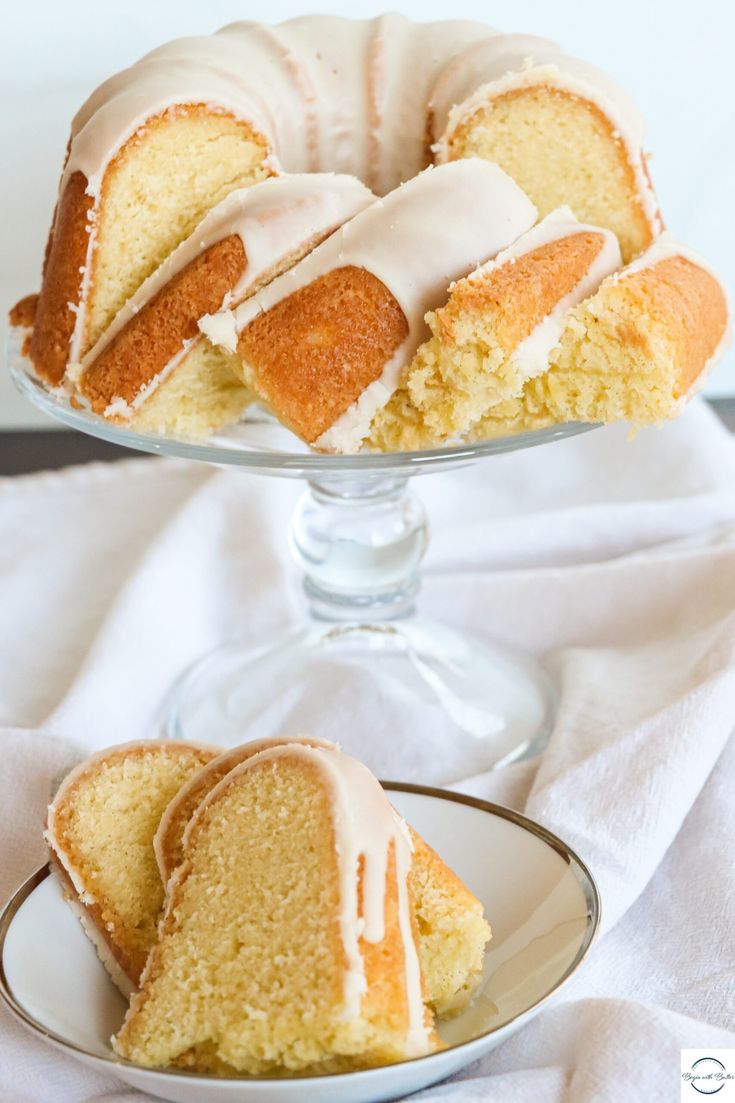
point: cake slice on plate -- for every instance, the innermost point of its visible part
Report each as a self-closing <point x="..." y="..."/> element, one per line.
<point x="452" y="929"/>
<point x="99" y="829"/>
<point x="126" y="809"/>
<point x="288" y="941"/>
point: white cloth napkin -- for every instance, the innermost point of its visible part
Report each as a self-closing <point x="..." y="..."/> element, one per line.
<point x="613" y="561"/>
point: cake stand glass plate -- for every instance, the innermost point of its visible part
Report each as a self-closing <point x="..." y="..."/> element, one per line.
<point x="359" y="534"/>
<point x="540" y="898"/>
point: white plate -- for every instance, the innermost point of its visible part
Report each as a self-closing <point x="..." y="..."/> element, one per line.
<point x="542" y="904"/>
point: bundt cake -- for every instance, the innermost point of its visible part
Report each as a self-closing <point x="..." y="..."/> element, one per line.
<point x="635" y="351"/>
<point x="160" y="144"/>
<point x="323" y="345"/>
<point x="288" y="941"/>
<point x="151" y="366"/>
<point x="452" y="930"/>
<point x="495" y="332"/>
<point x="153" y="307"/>
<point x="99" y="830"/>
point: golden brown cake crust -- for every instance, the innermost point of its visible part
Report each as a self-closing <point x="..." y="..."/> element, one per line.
<point x="154" y="336"/>
<point x="545" y="275"/>
<point x="67" y="256"/>
<point x="24" y="312"/>
<point x="315" y="352"/>
<point x="690" y="303"/>
<point x="67" y="247"/>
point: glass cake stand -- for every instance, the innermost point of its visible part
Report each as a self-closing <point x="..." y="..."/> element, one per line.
<point x="359" y="534"/>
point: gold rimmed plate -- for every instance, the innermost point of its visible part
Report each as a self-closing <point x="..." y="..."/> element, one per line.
<point x="540" y="898"/>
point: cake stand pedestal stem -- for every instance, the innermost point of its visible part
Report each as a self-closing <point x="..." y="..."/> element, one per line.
<point x="359" y="543"/>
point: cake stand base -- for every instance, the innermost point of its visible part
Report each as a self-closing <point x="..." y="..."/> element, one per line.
<point x="402" y="680"/>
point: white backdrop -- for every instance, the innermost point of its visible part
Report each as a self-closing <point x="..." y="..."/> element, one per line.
<point x="673" y="56"/>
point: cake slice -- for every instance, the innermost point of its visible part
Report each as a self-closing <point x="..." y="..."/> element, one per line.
<point x="452" y="929"/>
<point x="635" y="351"/>
<point x="563" y="130"/>
<point x="495" y="332"/>
<point x="288" y="942"/>
<point x="152" y="369"/>
<point x="323" y="346"/>
<point x="99" y="830"/>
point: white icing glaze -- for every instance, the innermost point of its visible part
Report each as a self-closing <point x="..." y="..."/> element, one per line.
<point x="338" y="93"/>
<point x="365" y="826"/>
<point x="531" y="356"/>
<point x="421" y="237"/>
<point x="274" y="220"/>
<point x="496" y="65"/>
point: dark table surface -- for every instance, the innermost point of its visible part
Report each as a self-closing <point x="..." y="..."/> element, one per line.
<point x="42" y="449"/>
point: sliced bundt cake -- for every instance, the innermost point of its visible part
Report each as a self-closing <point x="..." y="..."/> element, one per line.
<point x="288" y="939"/>
<point x="99" y="830"/>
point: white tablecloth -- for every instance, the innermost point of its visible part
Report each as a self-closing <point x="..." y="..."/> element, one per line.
<point x="614" y="561"/>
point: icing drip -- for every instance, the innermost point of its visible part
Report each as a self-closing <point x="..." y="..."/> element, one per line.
<point x="366" y="827"/>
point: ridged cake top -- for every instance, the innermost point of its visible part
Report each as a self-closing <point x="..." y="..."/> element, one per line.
<point x="327" y="92"/>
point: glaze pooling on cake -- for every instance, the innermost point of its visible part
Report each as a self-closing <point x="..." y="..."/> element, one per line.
<point x="416" y="241"/>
